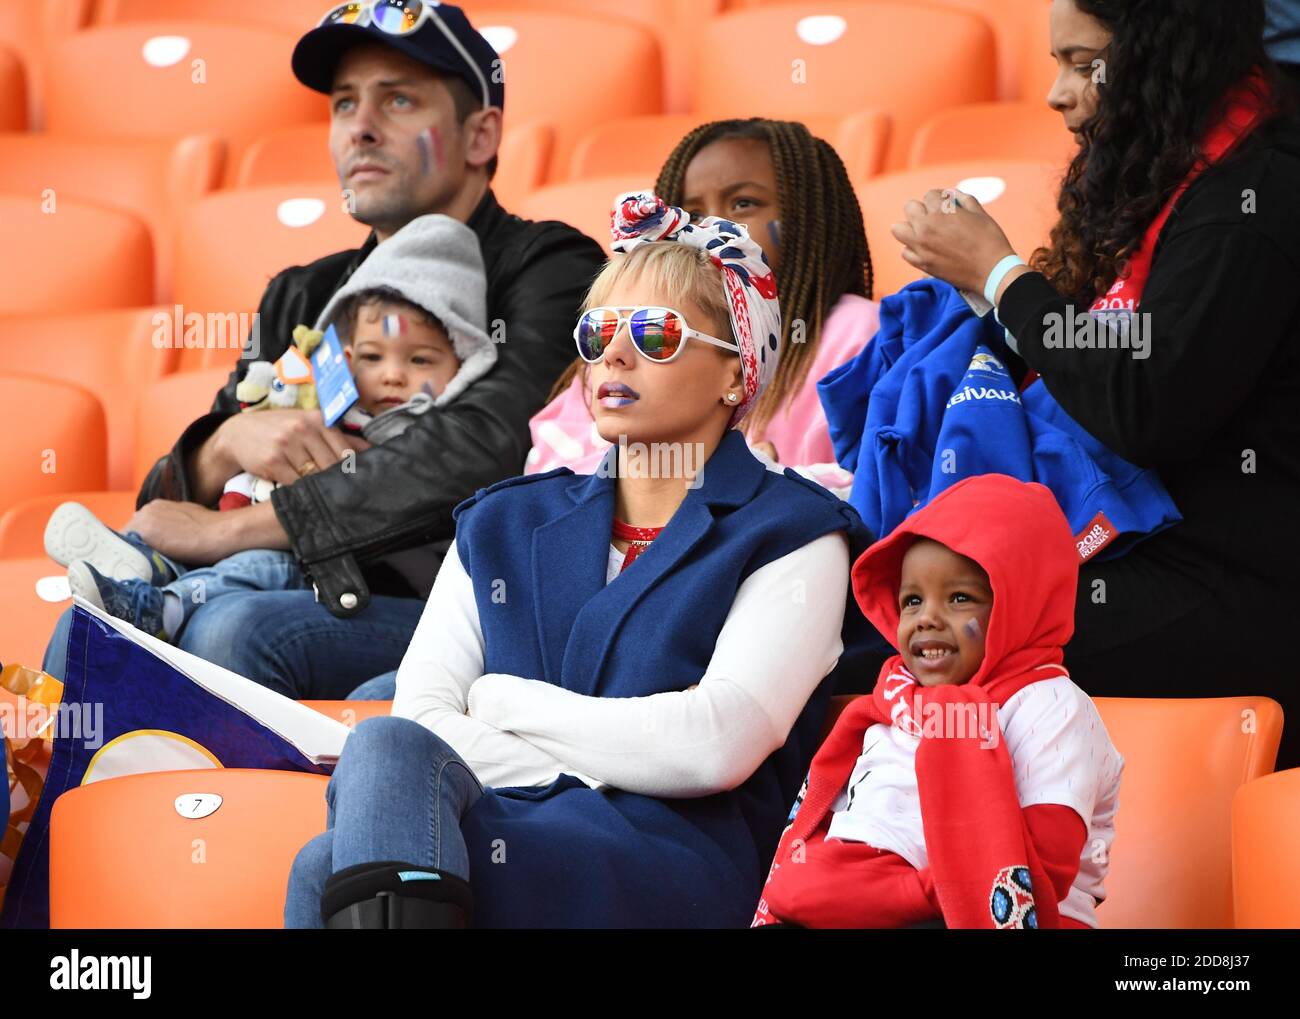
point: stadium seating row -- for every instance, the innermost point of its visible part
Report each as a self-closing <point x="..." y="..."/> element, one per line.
<point x="1199" y="844"/>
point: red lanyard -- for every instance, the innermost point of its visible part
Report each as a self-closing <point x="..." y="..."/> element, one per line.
<point x="638" y="539"/>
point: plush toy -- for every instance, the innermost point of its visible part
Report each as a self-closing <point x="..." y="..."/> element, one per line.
<point x="286" y="384"/>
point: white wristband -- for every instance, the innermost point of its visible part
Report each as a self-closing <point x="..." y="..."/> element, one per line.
<point x="998" y="274"/>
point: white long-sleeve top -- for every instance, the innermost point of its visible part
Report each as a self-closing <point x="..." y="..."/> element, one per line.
<point x="780" y="639"/>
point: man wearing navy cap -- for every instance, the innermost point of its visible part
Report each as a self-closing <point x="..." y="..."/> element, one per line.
<point x="416" y="100"/>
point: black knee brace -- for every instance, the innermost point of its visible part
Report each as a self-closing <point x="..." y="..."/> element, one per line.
<point x="395" y="896"/>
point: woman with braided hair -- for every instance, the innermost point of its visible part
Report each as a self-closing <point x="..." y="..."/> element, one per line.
<point x="791" y="191"/>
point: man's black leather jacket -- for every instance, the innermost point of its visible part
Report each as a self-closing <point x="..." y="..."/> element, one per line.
<point x="400" y="495"/>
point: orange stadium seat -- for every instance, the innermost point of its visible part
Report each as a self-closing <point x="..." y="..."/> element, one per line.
<point x="29" y="29"/>
<point x="28" y="619"/>
<point x="152" y="180"/>
<point x="112" y="354"/>
<point x="52" y="438"/>
<point x="13" y="92"/>
<point x="584" y="205"/>
<point x="302" y="153"/>
<point x="626" y="79"/>
<point x="1265" y="847"/>
<point x="909" y="60"/>
<point x="163" y="79"/>
<point x="22" y="527"/>
<point x="1184" y="759"/>
<point x="1028" y="130"/>
<point x="1012" y="21"/>
<point x="1038" y="68"/>
<point x="351" y="712"/>
<point x="58" y="255"/>
<point x="672" y="21"/>
<point x="289" y="15"/>
<point x="122" y="855"/>
<point x="639" y="145"/>
<point x="166" y="408"/>
<point x="1020" y="195"/>
<point x="232" y="242"/>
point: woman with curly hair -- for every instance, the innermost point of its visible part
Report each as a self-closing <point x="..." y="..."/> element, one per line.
<point x="1164" y="317"/>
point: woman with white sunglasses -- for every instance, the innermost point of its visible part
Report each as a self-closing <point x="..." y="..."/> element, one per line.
<point x="619" y="679"/>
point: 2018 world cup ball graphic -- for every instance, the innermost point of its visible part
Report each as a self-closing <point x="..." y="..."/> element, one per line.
<point x="1012" y="900"/>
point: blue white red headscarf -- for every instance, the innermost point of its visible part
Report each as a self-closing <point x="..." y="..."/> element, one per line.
<point x="640" y="217"/>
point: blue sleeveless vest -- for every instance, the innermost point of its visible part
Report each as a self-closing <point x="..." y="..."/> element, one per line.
<point x="536" y="549"/>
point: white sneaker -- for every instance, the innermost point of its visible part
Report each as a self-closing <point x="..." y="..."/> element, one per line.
<point x="76" y="533"/>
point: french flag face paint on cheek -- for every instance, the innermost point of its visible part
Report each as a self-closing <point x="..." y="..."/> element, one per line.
<point x="394" y="325"/>
<point x="774" y="231"/>
<point x="972" y="629"/>
<point x="429" y="143"/>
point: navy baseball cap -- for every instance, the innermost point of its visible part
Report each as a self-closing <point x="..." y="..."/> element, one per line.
<point x="435" y="34"/>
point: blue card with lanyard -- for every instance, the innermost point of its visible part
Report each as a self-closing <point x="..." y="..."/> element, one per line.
<point x="335" y="387"/>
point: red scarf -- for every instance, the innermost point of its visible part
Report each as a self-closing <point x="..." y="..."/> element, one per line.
<point x="638" y="539"/>
<point x="984" y="868"/>
<point x="1245" y="105"/>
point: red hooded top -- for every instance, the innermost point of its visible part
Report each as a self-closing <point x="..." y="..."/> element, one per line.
<point x="984" y="869"/>
<point x="1019" y="536"/>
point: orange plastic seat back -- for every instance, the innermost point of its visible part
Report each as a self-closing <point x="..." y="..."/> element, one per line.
<point x="152" y="180"/>
<point x="22" y="526"/>
<point x="28" y="30"/>
<point x="73" y="257"/>
<point x="233" y="242"/>
<point x="113" y="354"/>
<point x="167" y="408"/>
<point x="1020" y="195"/>
<point x="162" y="79"/>
<point x="13" y="92"/>
<point x="908" y="60"/>
<point x="1027" y="130"/>
<point x="351" y="712"/>
<point x="302" y="153"/>
<point x="288" y="15"/>
<point x="1184" y="759"/>
<point x="570" y="71"/>
<point x="1265" y="848"/>
<point x="142" y="851"/>
<point x="672" y="22"/>
<point x="28" y="619"/>
<point x="52" y="438"/>
<point x="1038" y="69"/>
<point x="640" y="146"/>
<point x="585" y="205"/>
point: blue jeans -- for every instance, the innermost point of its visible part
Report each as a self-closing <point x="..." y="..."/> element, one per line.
<point x="255" y="569"/>
<point x="288" y="641"/>
<point x="397" y="793"/>
<point x="381" y="688"/>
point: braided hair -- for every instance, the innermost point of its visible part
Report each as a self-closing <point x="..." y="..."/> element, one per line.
<point x="823" y="242"/>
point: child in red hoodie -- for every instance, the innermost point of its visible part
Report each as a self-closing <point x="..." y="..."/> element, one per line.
<point x="976" y="784"/>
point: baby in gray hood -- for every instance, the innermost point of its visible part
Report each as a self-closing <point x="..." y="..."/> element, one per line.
<point x="412" y="323"/>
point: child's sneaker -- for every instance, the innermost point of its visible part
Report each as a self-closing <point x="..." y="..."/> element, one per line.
<point x="135" y="600"/>
<point x="74" y="533"/>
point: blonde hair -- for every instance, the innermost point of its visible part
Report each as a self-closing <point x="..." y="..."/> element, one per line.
<point x="685" y="275"/>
